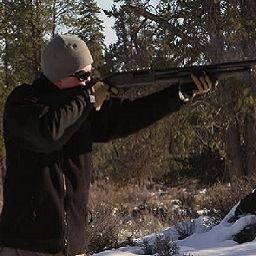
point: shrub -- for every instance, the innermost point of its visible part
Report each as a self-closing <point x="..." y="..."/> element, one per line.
<point x="163" y="246"/>
<point x="185" y="229"/>
<point x="102" y="232"/>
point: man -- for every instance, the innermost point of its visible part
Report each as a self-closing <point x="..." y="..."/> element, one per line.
<point x="49" y="128"/>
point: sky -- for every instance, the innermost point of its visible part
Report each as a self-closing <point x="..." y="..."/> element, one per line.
<point x="206" y="240"/>
<point x="108" y="22"/>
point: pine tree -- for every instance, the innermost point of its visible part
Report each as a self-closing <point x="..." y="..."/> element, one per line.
<point x="134" y="48"/>
<point x="192" y="32"/>
<point x="90" y="28"/>
<point x="22" y="39"/>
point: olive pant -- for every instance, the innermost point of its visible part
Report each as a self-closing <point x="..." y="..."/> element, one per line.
<point x="8" y="251"/>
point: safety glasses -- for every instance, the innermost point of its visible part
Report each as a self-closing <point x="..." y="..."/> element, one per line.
<point x="82" y="75"/>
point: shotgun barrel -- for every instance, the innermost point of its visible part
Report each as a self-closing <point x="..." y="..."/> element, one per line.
<point x="137" y="78"/>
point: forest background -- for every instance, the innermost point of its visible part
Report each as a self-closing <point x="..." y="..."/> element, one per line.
<point x="213" y="138"/>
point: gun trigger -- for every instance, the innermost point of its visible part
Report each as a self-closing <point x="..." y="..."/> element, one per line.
<point x="199" y="73"/>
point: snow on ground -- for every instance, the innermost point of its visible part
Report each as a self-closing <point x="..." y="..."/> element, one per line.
<point x="206" y="240"/>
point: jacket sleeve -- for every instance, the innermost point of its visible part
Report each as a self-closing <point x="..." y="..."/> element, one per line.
<point x="40" y="127"/>
<point x="121" y="118"/>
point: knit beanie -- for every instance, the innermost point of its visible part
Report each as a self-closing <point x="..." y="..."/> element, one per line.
<point x="63" y="56"/>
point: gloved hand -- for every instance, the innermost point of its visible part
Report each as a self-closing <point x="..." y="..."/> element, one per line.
<point x="101" y="91"/>
<point x="202" y="84"/>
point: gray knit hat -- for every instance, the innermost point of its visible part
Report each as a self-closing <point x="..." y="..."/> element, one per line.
<point x="63" y="56"/>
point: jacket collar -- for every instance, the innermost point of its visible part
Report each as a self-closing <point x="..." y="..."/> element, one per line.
<point x="44" y="84"/>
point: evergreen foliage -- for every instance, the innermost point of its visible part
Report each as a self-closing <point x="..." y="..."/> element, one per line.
<point x="183" y="33"/>
<point x="89" y="28"/>
<point x="151" y="34"/>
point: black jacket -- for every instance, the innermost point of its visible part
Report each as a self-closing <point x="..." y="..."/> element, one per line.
<point x="48" y="135"/>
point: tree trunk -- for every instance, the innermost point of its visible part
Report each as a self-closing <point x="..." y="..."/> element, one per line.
<point x="234" y="159"/>
<point x="215" y="48"/>
<point x="250" y="143"/>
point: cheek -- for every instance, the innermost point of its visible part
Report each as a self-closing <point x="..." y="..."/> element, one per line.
<point x="72" y="80"/>
<point x="69" y="82"/>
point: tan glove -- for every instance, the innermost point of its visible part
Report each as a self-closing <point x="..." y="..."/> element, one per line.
<point x="101" y="92"/>
<point x="204" y="84"/>
<point x="200" y="85"/>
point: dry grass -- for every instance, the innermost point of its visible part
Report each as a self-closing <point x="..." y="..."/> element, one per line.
<point x="124" y="214"/>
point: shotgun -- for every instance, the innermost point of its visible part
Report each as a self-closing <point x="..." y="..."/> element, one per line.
<point x="136" y="78"/>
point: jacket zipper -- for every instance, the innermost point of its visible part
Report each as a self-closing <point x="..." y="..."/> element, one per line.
<point x="65" y="216"/>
